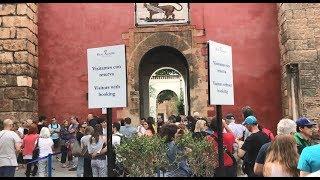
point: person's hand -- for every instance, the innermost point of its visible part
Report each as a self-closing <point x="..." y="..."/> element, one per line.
<point x="224" y="124"/>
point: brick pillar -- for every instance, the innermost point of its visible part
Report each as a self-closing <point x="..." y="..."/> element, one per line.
<point x="18" y="61"/>
<point x="299" y="35"/>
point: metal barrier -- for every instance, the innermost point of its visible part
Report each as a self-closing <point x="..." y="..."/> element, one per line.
<point x="49" y="162"/>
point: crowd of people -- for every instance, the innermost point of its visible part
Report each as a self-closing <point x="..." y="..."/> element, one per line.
<point x="249" y="148"/>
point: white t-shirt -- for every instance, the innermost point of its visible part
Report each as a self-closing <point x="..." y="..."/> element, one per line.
<point x="8" y="139"/>
<point x="45" y="146"/>
<point x="116" y="138"/>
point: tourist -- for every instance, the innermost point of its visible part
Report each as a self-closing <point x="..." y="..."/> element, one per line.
<point x="180" y="168"/>
<point x="10" y="144"/>
<point x="148" y="126"/>
<point x="79" y="135"/>
<point x="73" y="131"/>
<point x="304" y="133"/>
<point x="200" y="129"/>
<point x="267" y="131"/>
<point x="116" y="135"/>
<point x="28" y="145"/>
<point x="172" y="119"/>
<point x="54" y="128"/>
<point x="251" y="146"/>
<point x="238" y="130"/>
<point x="128" y="130"/>
<point x="16" y="126"/>
<point x="96" y="144"/>
<point x="85" y="140"/>
<point x="42" y="122"/>
<point x="65" y="140"/>
<point x="45" y="148"/>
<point x="191" y="123"/>
<point x="140" y="129"/>
<point x="104" y="127"/>
<point x="282" y="158"/>
<point x="92" y="120"/>
<point x="284" y="127"/>
<point x="230" y="163"/>
<point x="309" y="160"/>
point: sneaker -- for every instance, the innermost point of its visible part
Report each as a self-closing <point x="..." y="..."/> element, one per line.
<point x="63" y="165"/>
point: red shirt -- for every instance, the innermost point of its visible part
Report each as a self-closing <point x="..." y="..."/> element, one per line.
<point x="228" y="141"/>
<point x="29" y="143"/>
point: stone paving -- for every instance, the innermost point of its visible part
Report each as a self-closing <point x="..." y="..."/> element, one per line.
<point x="58" y="172"/>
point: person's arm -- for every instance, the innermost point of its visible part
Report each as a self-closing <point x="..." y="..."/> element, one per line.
<point x="267" y="170"/>
<point x="304" y="162"/>
<point x="244" y="148"/>
<point x="258" y="169"/>
<point x="304" y="173"/>
<point x="17" y="142"/>
<point x="241" y="153"/>
<point x="226" y="127"/>
<point x="258" y="166"/>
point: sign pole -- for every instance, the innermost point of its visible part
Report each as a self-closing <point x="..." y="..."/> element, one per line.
<point x="110" y="155"/>
<point x="221" y="170"/>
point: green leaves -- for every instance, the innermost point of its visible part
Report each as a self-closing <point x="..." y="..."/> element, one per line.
<point x="202" y="158"/>
<point x="142" y="156"/>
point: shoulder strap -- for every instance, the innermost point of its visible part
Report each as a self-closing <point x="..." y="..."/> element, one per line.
<point x="225" y="148"/>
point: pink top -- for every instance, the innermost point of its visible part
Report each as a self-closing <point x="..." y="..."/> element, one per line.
<point x="29" y="143"/>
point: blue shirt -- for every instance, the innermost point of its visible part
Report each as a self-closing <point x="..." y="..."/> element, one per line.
<point x="309" y="160"/>
<point x="128" y="131"/>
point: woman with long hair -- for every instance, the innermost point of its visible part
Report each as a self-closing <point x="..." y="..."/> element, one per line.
<point x="282" y="158"/>
<point x="148" y="126"/>
<point x="28" y="145"/>
<point x="178" y="167"/>
<point x="97" y="142"/>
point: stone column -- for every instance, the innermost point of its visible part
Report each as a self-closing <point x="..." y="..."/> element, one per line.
<point x="299" y="34"/>
<point x="18" y="61"/>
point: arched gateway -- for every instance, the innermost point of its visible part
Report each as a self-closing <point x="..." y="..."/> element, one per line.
<point x="151" y="48"/>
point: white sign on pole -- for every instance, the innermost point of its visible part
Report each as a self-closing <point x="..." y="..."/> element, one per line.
<point x="220" y="74"/>
<point x="107" y="84"/>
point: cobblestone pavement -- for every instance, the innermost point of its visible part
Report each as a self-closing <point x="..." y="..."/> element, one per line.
<point x="57" y="172"/>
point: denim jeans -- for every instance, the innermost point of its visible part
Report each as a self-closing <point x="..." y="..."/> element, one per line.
<point x="99" y="168"/>
<point x="43" y="168"/>
<point x="80" y="167"/>
<point x="7" y="171"/>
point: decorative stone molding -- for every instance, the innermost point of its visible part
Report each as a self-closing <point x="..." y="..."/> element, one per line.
<point x="191" y="42"/>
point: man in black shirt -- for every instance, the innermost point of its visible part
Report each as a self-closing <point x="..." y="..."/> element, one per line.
<point x="251" y="145"/>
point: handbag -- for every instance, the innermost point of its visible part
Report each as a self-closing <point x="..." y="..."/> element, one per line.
<point x="76" y="149"/>
<point x="36" y="151"/>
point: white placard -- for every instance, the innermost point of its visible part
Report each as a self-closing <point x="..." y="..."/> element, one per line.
<point x="107" y="77"/>
<point x="220" y="74"/>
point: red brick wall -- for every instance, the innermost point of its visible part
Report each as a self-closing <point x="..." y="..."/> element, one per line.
<point x="67" y="30"/>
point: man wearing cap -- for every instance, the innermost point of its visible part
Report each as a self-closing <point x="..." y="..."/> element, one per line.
<point x="238" y="130"/>
<point x="304" y="133"/>
<point x="251" y="145"/>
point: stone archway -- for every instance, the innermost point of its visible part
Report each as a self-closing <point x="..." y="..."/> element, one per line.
<point x="154" y="59"/>
<point x="188" y="41"/>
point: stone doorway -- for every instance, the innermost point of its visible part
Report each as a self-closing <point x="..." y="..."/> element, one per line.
<point x="153" y="60"/>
